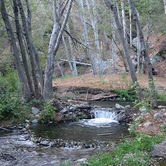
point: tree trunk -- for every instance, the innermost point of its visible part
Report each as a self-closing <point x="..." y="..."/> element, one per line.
<point x="79" y="63"/>
<point x="29" y="16"/>
<point x="114" y="45"/>
<point x="22" y="47"/>
<point x="131" y="29"/>
<point x="72" y="53"/>
<point x="146" y="56"/>
<point x="86" y="36"/>
<point x="25" y="89"/>
<point x="67" y="55"/>
<point x="139" y="48"/>
<point x="93" y="18"/>
<point x="122" y="55"/>
<point x="36" y="54"/>
<point x="164" y="5"/>
<point x="53" y="48"/>
<point x="30" y="49"/>
<point x="113" y="8"/>
<point x="60" y="69"/>
<point x="48" y="92"/>
<point x="124" y="18"/>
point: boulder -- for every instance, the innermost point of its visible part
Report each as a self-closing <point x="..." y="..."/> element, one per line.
<point x="119" y="107"/>
<point x="35" y="110"/>
<point x="156" y="58"/>
<point x="64" y="110"/>
<point x="159" y="150"/>
<point x="158" y="115"/>
<point x="125" y="115"/>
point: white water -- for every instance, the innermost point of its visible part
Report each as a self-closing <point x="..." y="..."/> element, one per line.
<point x="101" y="119"/>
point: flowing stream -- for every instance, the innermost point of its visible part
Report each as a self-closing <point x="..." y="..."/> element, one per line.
<point x="103" y="126"/>
<point x="77" y="141"/>
<point x="67" y="142"/>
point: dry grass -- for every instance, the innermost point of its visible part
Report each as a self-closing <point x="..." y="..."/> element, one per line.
<point x="112" y="81"/>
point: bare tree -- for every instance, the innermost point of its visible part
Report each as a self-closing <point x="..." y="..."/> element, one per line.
<point x="144" y="53"/>
<point x="22" y="46"/>
<point x="86" y="36"/>
<point x="93" y="19"/>
<point x="114" y="54"/>
<point x="54" y="45"/>
<point x="72" y="53"/>
<point x="25" y="89"/>
<point x="67" y="55"/>
<point x="131" y="28"/>
<point x="124" y="43"/>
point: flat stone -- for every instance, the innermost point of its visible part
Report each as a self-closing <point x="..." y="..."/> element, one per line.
<point x="45" y="143"/>
<point x="27" y="121"/>
<point x="158" y="115"/>
<point x="159" y="150"/>
<point x="143" y="110"/>
<point x="37" y="116"/>
<point x="35" y="121"/>
<point x="161" y="107"/>
<point x="118" y="106"/>
<point x="35" y="110"/>
<point x="24" y="138"/>
<point x="147" y="124"/>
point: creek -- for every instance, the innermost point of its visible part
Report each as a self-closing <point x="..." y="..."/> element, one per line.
<point x="50" y="145"/>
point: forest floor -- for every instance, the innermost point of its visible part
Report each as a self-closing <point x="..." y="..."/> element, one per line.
<point x="108" y="82"/>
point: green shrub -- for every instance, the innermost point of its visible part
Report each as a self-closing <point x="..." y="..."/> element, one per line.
<point x="65" y="164"/>
<point x="129" y="95"/>
<point x="11" y="104"/>
<point x="9" y="94"/>
<point x="129" y="153"/>
<point x="161" y="97"/>
<point x="48" y="112"/>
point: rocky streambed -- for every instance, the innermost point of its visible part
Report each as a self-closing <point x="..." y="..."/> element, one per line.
<point x="20" y="146"/>
<point x="66" y="140"/>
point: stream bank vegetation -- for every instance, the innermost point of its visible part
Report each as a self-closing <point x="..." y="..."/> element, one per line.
<point x="12" y="105"/>
<point x="129" y="152"/>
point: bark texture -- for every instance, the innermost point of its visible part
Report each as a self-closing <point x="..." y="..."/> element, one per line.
<point x="25" y="89"/>
<point x="53" y="46"/>
<point x="144" y="53"/>
<point x="113" y="8"/>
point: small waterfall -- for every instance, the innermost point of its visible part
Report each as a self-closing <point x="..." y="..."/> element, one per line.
<point x="101" y="118"/>
<point x="104" y="114"/>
